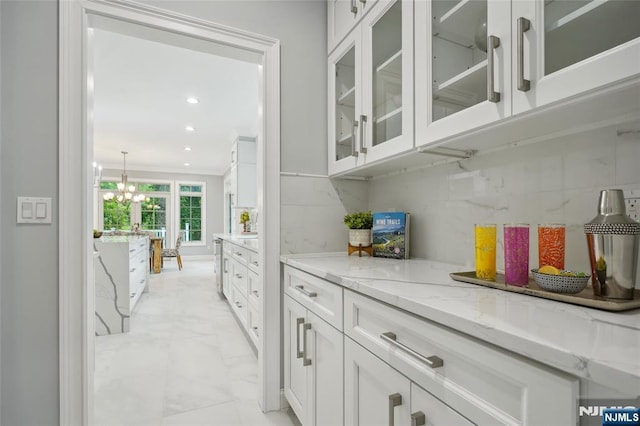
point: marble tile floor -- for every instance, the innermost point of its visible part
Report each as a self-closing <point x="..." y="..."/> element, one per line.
<point x="184" y="362"/>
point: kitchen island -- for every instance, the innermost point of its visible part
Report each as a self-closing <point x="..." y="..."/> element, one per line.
<point x="595" y="354"/>
<point x="121" y="276"/>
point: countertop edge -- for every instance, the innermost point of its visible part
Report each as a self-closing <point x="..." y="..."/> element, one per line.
<point x="613" y="376"/>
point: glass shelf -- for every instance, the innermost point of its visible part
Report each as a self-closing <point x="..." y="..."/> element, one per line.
<point x="348" y="98"/>
<point x="392" y="66"/>
<point x="465" y="89"/>
<point x="459" y="23"/>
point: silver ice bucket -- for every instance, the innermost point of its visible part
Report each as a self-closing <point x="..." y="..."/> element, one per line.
<point x="612" y="240"/>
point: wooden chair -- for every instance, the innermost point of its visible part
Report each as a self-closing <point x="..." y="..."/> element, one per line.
<point x="174" y="252"/>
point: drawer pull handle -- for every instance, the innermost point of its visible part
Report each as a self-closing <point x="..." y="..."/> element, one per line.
<point x="255" y="292"/>
<point x="432" y="361"/>
<point x="255" y="262"/>
<point x="308" y="293"/>
<point x="238" y="253"/>
<point x="418" y="419"/>
<point x="239" y="276"/>
<point x="394" y="400"/>
<point x="305" y="361"/>
<point x="299" y="321"/>
<point x="239" y="305"/>
<point x="255" y="330"/>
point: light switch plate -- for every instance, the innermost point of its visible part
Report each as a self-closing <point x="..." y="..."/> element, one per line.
<point x="33" y="210"/>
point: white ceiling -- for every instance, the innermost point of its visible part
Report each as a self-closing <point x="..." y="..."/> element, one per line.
<point x="140" y="91"/>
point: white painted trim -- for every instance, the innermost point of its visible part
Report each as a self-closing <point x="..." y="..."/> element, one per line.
<point x="75" y="214"/>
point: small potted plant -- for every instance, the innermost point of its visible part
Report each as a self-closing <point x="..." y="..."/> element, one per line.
<point x="244" y="220"/>
<point x="359" y="224"/>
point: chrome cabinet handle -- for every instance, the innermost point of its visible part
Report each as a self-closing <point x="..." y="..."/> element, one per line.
<point x="354" y="151"/>
<point x="238" y="276"/>
<point x="363" y="1"/>
<point x="256" y="293"/>
<point x="224" y="266"/>
<point x="255" y="330"/>
<point x="307" y="293"/>
<point x="492" y="95"/>
<point x="299" y="321"/>
<point x="305" y="361"/>
<point x="354" y="8"/>
<point x="523" y="26"/>
<point x="255" y="262"/>
<point x="394" y="400"/>
<point x="363" y="120"/>
<point x="432" y="361"/>
<point x="239" y="305"/>
<point x="418" y="419"/>
<point x="238" y="254"/>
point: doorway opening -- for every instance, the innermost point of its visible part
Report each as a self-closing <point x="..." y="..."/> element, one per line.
<point x="76" y="213"/>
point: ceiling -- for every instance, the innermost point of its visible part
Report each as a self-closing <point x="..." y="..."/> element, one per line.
<point x="140" y="88"/>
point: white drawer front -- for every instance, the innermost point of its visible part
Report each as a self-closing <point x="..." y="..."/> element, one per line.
<point x="239" y="276"/>
<point x="254" y="284"/>
<point x="239" y="305"/>
<point x="240" y="254"/>
<point x="435" y="412"/>
<point x="253" y="260"/>
<point x="487" y="384"/>
<point x="319" y="296"/>
<point x="254" y="323"/>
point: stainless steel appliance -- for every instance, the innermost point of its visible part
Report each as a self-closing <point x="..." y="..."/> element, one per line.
<point x="217" y="252"/>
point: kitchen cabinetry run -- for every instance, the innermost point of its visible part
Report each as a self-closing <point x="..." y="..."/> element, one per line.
<point x="242" y="177"/>
<point x="313" y="349"/>
<point x="121" y="276"/>
<point x="371" y="88"/>
<point x="342" y="17"/>
<point x="242" y="286"/>
<point x="479" y="61"/>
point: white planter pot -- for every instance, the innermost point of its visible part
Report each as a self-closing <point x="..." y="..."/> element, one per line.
<point x="360" y="236"/>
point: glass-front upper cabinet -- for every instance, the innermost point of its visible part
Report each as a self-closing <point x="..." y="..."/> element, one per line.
<point x="462" y="66"/>
<point x="567" y="47"/>
<point x="371" y="88"/>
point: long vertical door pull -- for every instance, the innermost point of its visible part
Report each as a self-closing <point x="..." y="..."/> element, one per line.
<point x="492" y="95"/>
<point x="299" y="322"/>
<point x="523" y="26"/>
<point x="305" y="361"/>
<point x="394" y="400"/>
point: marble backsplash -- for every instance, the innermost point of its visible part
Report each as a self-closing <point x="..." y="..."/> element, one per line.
<point x="555" y="181"/>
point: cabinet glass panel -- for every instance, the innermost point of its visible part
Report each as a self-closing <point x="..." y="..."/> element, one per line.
<point x="386" y="55"/>
<point x="575" y="30"/>
<point x="345" y="104"/>
<point x="459" y="62"/>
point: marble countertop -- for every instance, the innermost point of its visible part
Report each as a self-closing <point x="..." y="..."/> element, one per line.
<point x="120" y="238"/>
<point x="592" y="344"/>
<point x="249" y="241"/>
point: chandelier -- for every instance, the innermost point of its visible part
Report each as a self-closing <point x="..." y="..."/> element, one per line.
<point x="125" y="193"/>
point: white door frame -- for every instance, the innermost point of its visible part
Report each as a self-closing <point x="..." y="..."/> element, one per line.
<point x="76" y="192"/>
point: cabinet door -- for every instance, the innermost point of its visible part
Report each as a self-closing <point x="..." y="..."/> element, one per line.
<point x="375" y="394"/>
<point x="387" y="80"/>
<point x="295" y="375"/>
<point x="463" y="66"/>
<point x="344" y="104"/>
<point x="432" y="410"/>
<point x="324" y="373"/>
<point x="342" y="17"/>
<point x="226" y="272"/>
<point x="572" y="47"/>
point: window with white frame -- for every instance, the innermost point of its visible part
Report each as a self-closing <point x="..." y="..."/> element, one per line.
<point x="191" y="211"/>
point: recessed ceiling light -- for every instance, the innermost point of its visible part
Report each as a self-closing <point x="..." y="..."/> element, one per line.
<point x="190" y="128"/>
<point x="187" y="164"/>
<point x="187" y="148"/>
<point x="192" y="100"/>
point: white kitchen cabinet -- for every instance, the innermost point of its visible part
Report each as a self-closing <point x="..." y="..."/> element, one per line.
<point x="242" y="286"/>
<point x="313" y="366"/>
<point x="242" y="177"/>
<point x="531" y="54"/>
<point x="375" y="393"/>
<point x="342" y="17"/>
<point x="313" y="349"/>
<point x="371" y="88"/>
<point x="485" y="384"/>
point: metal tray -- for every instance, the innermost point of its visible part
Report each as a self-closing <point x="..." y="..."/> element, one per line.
<point x="584" y="298"/>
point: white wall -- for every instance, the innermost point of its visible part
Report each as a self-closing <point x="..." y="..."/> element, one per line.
<point x="29" y="262"/>
<point x="552" y="181"/>
<point x="213" y="207"/>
